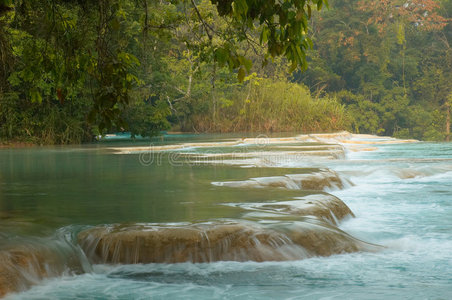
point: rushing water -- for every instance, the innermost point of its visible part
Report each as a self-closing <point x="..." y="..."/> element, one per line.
<point x="402" y="199"/>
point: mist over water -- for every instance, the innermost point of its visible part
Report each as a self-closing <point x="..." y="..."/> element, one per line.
<point x="401" y="196"/>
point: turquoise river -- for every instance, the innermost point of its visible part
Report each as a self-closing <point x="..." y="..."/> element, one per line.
<point x="59" y="205"/>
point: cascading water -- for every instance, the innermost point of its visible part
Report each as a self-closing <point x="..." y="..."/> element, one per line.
<point x="237" y="219"/>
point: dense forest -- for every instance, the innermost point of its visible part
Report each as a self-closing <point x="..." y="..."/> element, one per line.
<point x="73" y="70"/>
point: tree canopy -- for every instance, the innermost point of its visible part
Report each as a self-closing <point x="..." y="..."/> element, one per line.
<point x="71" y="70"/>
<point x="99" y="44"/>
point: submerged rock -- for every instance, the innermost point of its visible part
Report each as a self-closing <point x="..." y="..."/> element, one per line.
<point x="323" y="206"/>
<point x="321" y="239"/>
<point x="324" y="179"/>
<point x="321" y="180"/>
<point x="276" y="156"/>
<point x="24" y="263"/>
<point x="349" y="138"/>
<point x="221" y="241"/>
<point x="174" y="244"/>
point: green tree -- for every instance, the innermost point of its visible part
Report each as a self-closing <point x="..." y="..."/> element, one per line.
<point x="105" y="59"/>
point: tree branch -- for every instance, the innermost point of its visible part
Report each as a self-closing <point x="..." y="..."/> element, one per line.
<point x="206" y="27"/>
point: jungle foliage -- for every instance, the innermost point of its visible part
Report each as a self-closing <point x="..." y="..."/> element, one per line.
<point x="71" y="70"/>
<point x="388" y="62"/>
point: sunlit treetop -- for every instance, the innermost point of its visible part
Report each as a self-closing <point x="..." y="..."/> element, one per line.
<point x="421" y="13"/>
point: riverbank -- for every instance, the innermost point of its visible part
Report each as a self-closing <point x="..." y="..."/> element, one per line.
<point x="248" y="137"/>
<point x="16" y="144"/>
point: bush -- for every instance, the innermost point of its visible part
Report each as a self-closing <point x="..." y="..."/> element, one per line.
<point x="264" y="105"/>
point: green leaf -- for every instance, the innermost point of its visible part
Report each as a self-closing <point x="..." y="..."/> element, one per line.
<point x="35" y="96"/>
<point x="221" y="55"/>
<point x="264" y="35"/>
<point x="240" y="8"/>
<point x="241" y="74"/>
<point x="299" y="53"/>
<point x="14" y="79"/>
<point x="319" y="5"/>
<point x="310" y="43"/>
<point x="247" y="63"/>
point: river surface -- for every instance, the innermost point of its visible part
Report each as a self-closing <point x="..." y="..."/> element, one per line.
<point x="401" y="196"/>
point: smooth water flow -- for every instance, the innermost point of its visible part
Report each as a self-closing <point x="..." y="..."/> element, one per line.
<point x="228" y="221"/>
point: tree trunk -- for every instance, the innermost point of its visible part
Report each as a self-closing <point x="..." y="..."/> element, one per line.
<point x="447" y="122"/>
<point x="190" y="76"/>
<point x="214" y="99"/>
